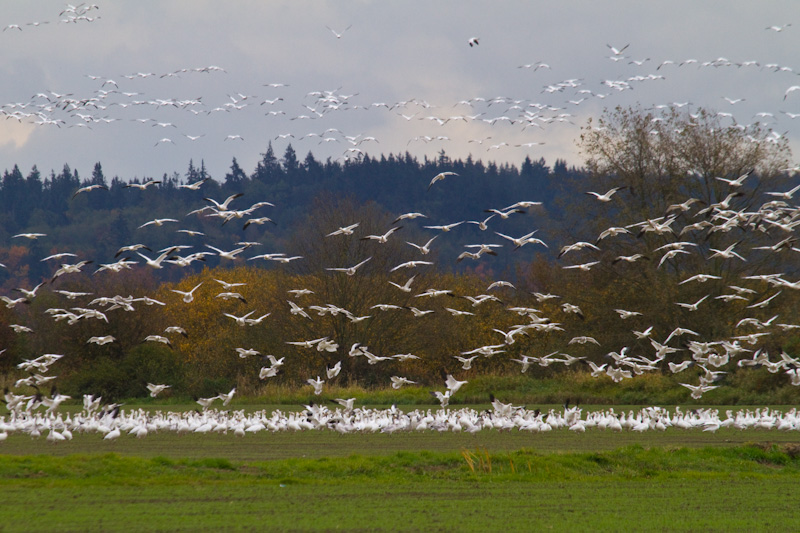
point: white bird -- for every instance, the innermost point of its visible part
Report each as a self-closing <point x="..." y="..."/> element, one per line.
<point x="89" y="188"/>
<point x="317" y="384"/>
<point x="408" y="216"/>
<point x="445" y="227"/>
<point x="350" y="271"/>
<point x="159" y="338"/>
<point x="453" y="384"/>
<point x="297" y="310"/>
<point x="466" y="362"/>
<point x="440" y="176"/>
<point x="100" y="341"/>
<point x="522" y="241"/>
<point x="399" y="381"/>
<point x="338" y="34"/>
<point x="473" y="41"/>
<point x="694" y="306"/>
<point x="606" y="197"/>
<point x="333" y="371"/>
<point x="698" y="390"/>
<point x="224" y="205"/>
<point x="246" y="352"/>
<point x="156" y="263"/>
<point x="226" y="398"/>
<point x="406" y="287"/>
<point x="228" y="255"/>
<point x="738" y="182"/>
<point x="188" y="296"/>
<point x="344" y="230"/>
<point x="382" y="239"/>
<point x="583" y="266"/>
<point x="616" y="51"/>
<point x="155" y="390"/>
<point x="145" y="185"/>
<point x="30" y="294"/>
<point x="240" y="320"/>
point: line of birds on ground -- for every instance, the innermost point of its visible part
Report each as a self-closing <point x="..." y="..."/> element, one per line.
<point x="113" y="422"/>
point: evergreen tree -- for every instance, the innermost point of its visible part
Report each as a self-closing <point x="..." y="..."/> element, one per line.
<point x="236" y="175"/>
<point x="268" y="169"/>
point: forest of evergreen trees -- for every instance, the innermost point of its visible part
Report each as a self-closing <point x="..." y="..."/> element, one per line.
<point x="96" y="223"/>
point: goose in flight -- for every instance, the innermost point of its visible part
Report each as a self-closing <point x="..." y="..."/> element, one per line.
<point x="399" y="381"/>
<point x="31" y="236"/>
<point x="156" y="263"/>
<point x="240" y="320"/>
<point x="176" y="329"/>
<point x="350" y="271"/>
<point x="100" y="341"/>
<point x="466" y="362"/>
<point x="226" y="398"/>
<point x="624" y="315"/>
<point x="89" y="188"/>
<point x="408" y="216"/>
<point x="224" y="205"/>
<point x="522" y="241"/>
<point x="446" y="227"/>
<point x="425" y="248"/>
<point x="297" y="310"/>
<point x="145" y="185"/>
<point x="473" y="41"/>
<point x="30" y="294"/>
<point x="410" y="264"/>
<point x="701" y="278"/>
<point x="69" y="269"/>
<point x="406" y="287"/>
<point x="338" y="35"/>
<point x="606" y="197"/>
<point x="228" y="286"/>
<point x="694" y="306"/>
<point x="228" y="255"/>
<point x="698" y="390"/>
<point x="585" y="267"/>
<point x="580" y="245"/>
<point x="617" y="51"/>
<point x="740" y="180"/>
<point x="231" y="296"/>
<point x="453" y="384"/>
<point x="482" y="225"/>
<point x="317" y="384"/>
<point x="245" y="352"/>
<point x="440" y="176"/>
<point x="344" y="230"/>
<point x="158" y="338"/>
<point x="157" y="222"/>
<point x="381" y="239"/>
<point x="333" y="371"/>
<point x="155" y="390"/>
<point x="195" y="186"/>
<point x="188" y="296"/>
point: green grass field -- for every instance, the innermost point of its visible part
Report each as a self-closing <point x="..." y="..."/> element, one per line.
<point x="675" y="480"/>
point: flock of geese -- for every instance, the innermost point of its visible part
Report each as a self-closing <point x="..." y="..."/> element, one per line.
<point x="111" y="424"/>
<point x="676" y="351"/>
<point x="140" y="100"/>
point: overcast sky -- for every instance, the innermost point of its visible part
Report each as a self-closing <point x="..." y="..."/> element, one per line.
<point x="63" y="84"/>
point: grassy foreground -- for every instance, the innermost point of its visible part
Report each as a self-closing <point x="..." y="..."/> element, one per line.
<point x="631" y="488"/>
